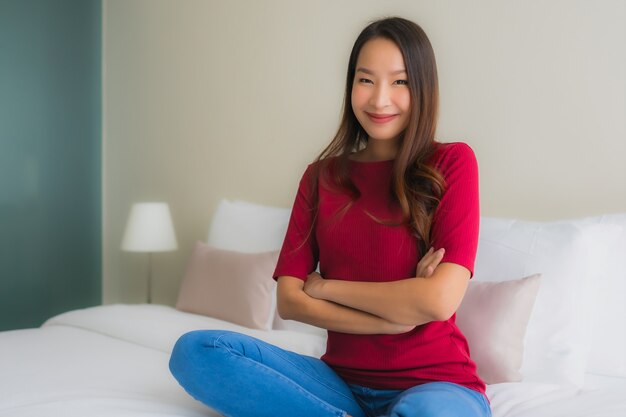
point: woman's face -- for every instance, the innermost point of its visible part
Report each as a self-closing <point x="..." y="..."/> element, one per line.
<point x="381" y="100"/>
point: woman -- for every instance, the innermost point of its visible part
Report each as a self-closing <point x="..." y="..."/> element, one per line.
<point x="371" y="210"/>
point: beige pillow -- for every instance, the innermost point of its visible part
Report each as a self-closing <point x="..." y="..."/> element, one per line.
<point x="493" y="317"/>
<point x="232" y="286"/>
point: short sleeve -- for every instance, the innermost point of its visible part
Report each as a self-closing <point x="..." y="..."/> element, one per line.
<point x="456" y="220"/>
<point x="299" y="254"/>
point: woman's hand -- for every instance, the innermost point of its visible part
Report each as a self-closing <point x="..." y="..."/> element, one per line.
<point x="426" y="266"/>
<point x="313" y="285"/>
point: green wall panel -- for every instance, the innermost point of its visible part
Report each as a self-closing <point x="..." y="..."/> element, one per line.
<point x="50" y="159"/>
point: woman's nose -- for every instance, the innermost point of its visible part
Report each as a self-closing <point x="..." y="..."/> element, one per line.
<point x="380" y="97"/>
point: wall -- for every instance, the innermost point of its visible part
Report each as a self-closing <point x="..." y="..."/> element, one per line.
<point x="230" y="99"/>
<point x="50" y="149"/>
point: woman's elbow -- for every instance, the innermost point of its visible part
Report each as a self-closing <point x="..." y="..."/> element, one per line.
<point x="444" y="308"/>
<point x="422" y="316"/>
<point x="438" y="308"/>
<point x="288" y="293"/>
<point x="443" y="313"/>
<point x="445" y="298"/>
<point x="282" y="307"/>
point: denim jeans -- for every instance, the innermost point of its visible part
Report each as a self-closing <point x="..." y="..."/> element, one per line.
<point x="241" y="376"/>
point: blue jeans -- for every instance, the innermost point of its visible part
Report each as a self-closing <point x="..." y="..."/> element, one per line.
<point x="241" y="376"/>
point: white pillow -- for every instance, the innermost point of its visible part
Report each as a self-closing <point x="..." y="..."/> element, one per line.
<point x="608" y="339"/>
<point x="493" y="317"/>
<point x="247" y="227"/>
<point x="557" y="339"/>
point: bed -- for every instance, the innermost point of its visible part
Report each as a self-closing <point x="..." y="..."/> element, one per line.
<point x="548" y="298"/>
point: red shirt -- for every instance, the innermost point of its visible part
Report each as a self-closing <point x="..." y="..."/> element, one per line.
<point x="353" y="246"/>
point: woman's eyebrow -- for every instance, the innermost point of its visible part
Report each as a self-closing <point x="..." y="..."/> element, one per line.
<point x="370" y="72"/>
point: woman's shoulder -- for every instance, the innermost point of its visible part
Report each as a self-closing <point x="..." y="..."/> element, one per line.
<point x="319" y="166"/>
<point x="315" y="169"/>
<point x="453" y="148"/>
<point x="453" y="153"/>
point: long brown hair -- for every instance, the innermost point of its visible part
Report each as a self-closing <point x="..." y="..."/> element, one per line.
<point x="416" y="186"/>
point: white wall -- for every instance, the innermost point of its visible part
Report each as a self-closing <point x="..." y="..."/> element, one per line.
<point x="213" y="99"/>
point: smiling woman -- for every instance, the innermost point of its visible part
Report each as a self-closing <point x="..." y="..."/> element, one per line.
<point x="367" y="211"/>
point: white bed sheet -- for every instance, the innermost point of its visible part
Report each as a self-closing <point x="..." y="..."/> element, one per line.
<point x="66" y="371"/>
<point x="113" y="361"/>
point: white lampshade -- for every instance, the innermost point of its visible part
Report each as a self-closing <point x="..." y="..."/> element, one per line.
<point x="149" y="229"/>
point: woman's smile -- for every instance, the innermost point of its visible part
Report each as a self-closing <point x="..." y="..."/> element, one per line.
<point x="381" y="118"/>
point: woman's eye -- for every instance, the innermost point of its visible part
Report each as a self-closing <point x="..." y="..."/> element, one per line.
<point x="402" y="82"/>
<point x="365" y="80"/>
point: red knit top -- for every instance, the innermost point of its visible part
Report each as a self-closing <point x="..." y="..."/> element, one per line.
<point x="355" y="247"/>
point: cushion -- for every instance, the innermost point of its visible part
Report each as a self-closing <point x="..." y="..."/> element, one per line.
<point x="228" y="285"/>
<point x="248" y="227"/>
<point x="608" y="338"/>
<point x="493" y="316"/>
<point x="558" y="333"/>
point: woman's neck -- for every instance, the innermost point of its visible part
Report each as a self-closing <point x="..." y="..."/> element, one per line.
<point x="377" y="150"/>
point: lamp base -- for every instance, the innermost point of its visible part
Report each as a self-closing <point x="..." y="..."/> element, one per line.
<point x="149" y="281"/>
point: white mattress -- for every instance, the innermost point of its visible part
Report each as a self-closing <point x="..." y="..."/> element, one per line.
<point x="113" y="361"/>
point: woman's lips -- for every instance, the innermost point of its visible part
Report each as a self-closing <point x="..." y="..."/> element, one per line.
<point x="381" y="118"/>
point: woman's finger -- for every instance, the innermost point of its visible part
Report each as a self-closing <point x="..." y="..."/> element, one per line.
<point x="423" y="262"/>
<point x="437" y="257"/>
<point x="429" y="262"/>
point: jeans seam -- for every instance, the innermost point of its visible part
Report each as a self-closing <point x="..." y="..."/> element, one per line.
<point x="322" y="403"/>
<point x="486" y="404"/>
<point x="321" y="382"/>
<point x="264" y="368"/>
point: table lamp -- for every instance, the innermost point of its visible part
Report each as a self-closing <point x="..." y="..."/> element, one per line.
<point x="149" y="229"/>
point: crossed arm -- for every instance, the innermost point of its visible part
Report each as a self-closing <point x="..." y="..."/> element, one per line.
<point x="376" y="307"/>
